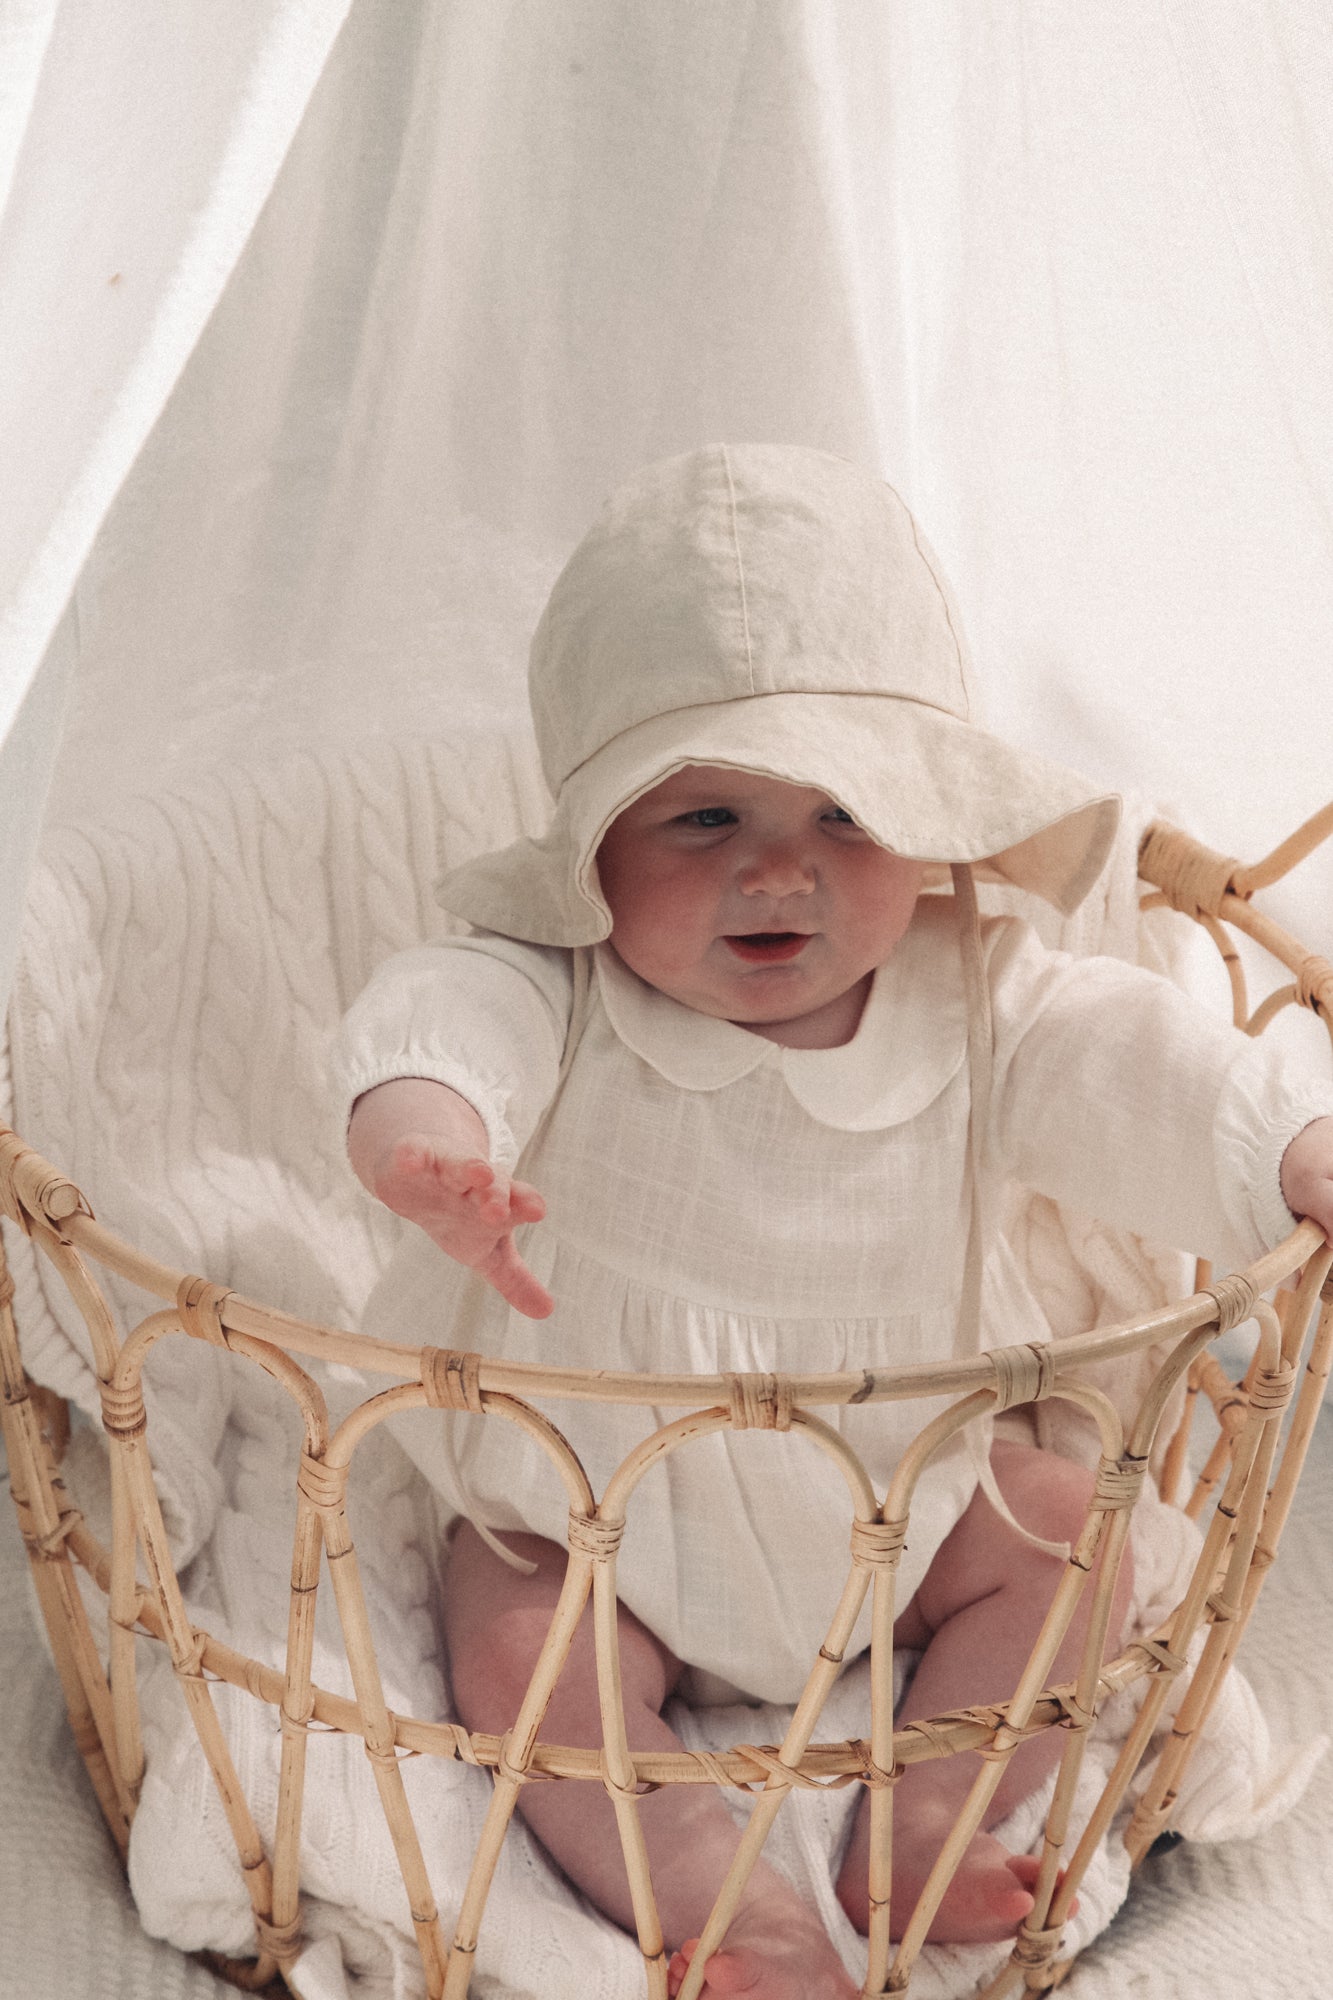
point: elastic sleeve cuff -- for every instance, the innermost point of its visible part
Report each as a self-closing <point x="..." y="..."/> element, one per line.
<point x="1272" y="1217"/>
<point x="353" y="1080"/>
<point x="1265" y="1102"/>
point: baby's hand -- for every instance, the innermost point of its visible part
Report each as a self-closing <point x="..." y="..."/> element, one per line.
<point x="1307" y="1174"/>
<point x="470" y="1209"/>
<point x="420" y="1149"/>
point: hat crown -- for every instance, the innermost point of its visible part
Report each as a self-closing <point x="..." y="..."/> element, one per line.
<point x="735" y="571"/>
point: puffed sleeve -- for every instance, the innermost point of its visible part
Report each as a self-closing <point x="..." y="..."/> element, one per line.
<point x="485" y="1014"/>
<point x="1115" y="1092"/>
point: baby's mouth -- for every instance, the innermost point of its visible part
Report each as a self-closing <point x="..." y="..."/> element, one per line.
<point x="768" y="947"/>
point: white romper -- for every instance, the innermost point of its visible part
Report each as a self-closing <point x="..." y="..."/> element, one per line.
<point x="717" y="1202"/>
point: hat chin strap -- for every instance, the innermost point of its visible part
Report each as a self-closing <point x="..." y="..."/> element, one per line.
<point x="981" y="1071"/>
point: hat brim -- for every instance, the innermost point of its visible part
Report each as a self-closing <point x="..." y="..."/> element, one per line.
<point x="922" y="783"/>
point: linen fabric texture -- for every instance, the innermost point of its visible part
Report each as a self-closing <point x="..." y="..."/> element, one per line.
<point x="718" y="1202"/>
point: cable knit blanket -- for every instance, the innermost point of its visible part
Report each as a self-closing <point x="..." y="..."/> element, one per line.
<point x="184" y="965"/>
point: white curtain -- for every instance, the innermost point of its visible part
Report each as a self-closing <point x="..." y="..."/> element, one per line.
<point x="322" y="338"/>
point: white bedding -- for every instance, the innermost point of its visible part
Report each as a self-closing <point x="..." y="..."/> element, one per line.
<point x="539" y="1940"/>
<point x="166" y="1048"/>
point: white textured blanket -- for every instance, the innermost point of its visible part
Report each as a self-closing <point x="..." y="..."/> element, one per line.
<point x="167" y="1044"/>
<point x="539" y="1940"/>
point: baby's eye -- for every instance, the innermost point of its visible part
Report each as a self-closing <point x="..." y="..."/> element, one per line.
<point x="709" y="816"/>
<point x="840" y="815"/>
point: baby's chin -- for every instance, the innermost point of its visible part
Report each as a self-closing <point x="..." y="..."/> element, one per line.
<point x="821" y="1021"/>
<point x="787" y="996"/>
<point x="746" y="988"/>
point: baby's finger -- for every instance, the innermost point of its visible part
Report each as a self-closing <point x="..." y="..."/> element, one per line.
<point x="1320" y="1207"/>
<point x="419" y="1171"/>
<point x="512" y="1279"/>
<point x="418" y="1179"/>
<point x="419" y="1158"/>
<point x="525" y="1204"/>
<point x="502" y="1204"/>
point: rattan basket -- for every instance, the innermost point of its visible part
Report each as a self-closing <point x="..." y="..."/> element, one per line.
<point x="1242" y="1500"/>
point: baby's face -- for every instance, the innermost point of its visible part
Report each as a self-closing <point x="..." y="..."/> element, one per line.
<point x="754" y="901"/>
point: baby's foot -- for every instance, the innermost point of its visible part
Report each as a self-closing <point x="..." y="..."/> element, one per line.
<point x="988" y="1898"/>
<point x="773" y="1953"/>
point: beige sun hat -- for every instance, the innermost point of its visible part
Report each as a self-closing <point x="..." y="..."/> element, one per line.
<point x="777" y="610"/>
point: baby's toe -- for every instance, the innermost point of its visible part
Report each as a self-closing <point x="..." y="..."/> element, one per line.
<point x="1027" y="1867"/>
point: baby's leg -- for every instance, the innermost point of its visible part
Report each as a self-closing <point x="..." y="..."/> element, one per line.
<point x="977" y="1614"/>
<point x="495" y="1621"/>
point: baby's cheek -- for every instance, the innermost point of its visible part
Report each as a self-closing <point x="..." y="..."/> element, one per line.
<point x="886" y="899"/>
<point x="665" y="933"/>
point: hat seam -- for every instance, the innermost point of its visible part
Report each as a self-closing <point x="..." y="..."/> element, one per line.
<point x="740" y="570"/>
<point x="767" y="694"/>
<point x="944" y="601"/>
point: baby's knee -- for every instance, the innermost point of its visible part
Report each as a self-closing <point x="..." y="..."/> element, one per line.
<point x="1053" y="1497"/>
<point x="1047" y="1494"/>
<point x="495" y="1622"/>
<point x="491" y="1665"/>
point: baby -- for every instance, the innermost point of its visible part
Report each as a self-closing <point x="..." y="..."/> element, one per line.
<point x="763" y="1093"/>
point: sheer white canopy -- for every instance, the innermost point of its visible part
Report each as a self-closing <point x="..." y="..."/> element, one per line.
<point x="324" y="330"/>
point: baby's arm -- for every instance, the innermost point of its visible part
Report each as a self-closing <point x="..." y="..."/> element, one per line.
<point x="1307" y="1174"/>
<point x="421" y="1149"/>
<point x="1117" y="1093"/>
<point x="445" y="1063"/>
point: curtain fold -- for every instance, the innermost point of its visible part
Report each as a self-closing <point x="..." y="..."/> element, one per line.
<point x="137" y="146"/>
<point x="393" y="307"/>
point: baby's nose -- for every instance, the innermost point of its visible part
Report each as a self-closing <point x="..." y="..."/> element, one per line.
<point x="777" y="870"/>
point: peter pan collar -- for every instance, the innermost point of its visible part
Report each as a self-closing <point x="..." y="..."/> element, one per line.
<point x="911" y="1041"/>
